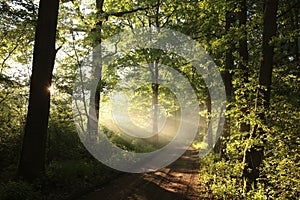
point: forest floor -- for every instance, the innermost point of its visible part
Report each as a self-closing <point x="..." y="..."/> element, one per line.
<point x="180" y="180"/>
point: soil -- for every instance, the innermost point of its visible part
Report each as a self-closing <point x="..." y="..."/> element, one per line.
<point x="177" y="181"/>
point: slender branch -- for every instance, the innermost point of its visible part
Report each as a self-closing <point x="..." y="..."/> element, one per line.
<point x="294" y="6"/>
<point x="168" y="18"/>
<point x="9" y="54"/>
<point x="120" y="14"/>
<point x="80" y="73"/>
<point x="12" y="51"/>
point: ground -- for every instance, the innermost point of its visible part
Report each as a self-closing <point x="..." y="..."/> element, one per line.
<point x="177" y="181"/>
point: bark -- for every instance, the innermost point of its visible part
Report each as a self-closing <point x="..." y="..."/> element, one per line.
<point x="155" y="87"/>
<point x="227" y="77"/>
<point x="154" y="68"/>
<point x="94" y="106"/>
<point x="296" y="27"/>
<point x="243" y="51"/>
<point x="32" y="161"/>
<point x="254" y="156"/>
<point x="269" y="31"/>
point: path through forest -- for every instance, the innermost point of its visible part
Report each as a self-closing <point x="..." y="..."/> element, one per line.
<point x="177" y="181"/>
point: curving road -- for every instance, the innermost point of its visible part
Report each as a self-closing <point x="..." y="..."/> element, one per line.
<point x="177" y="181"/>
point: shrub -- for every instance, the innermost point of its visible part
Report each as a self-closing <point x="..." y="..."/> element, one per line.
<point x="18" y="190"/>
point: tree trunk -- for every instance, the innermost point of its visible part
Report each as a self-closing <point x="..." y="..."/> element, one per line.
<point x="155" y="87"/>
<point x="32" y="161"/>
<point x="254" y="156"/>
<point x="94" y="106"/>
<point x="154" y="68"/>
<point x="296" y="27"/>
<point x="243" y="51"/>
<point x="227" y="77"/>
<point x="269" y="31"/>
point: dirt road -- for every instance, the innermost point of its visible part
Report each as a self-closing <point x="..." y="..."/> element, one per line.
<point x="177" y="181"/>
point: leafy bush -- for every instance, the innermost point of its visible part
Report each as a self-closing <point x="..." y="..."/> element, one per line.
<point x="75" y="174"/>
<point x="18" y="190"/>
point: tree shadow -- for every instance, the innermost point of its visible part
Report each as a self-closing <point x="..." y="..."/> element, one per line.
<point x="175" y="182"/>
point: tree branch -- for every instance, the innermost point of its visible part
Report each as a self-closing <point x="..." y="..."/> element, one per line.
<point x="119" y="14"/>
<point x="295" y="6"/>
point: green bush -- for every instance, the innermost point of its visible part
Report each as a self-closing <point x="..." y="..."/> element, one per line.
<point x="73" y="175"/>
<point x="18" y="191"/>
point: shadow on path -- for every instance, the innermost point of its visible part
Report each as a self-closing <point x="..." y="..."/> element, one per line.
<point x="177" y="181"/>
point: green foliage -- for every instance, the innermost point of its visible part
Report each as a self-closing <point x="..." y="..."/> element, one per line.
<point x="72" y="175"/>
<point x="220" y="179"/>
<point x="18" y="190"/>
<point x="70" y="167"/>
<point x="129" y="143"/>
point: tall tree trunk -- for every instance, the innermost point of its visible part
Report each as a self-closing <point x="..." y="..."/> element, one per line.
<point x="155" y="87"/>
<point x="154" y="68"/>
<point x="296" y="27"/>
<point x="243" y="51"/>
<point x="254" y="156"/>
<point x="269" y="31"/>
<point x="227" y="77"/>
<point x="32" y="162"/>
<point x="94" y="106"/>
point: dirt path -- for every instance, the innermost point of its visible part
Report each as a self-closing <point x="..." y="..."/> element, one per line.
<point x="177" y="181"/>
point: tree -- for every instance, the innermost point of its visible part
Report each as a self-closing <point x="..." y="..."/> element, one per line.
<point x="227" y="76"/>
<point x="97" y="32"/>
<point x="94" y="104"/>
<point x="32" y="161"/>
<point x="254" y="156"/>
<point x="244" y="54"/>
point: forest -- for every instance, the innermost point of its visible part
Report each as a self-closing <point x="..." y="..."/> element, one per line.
<point x="95" y="90"/>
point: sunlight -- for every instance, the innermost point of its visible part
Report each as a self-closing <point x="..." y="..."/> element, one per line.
<point x="51" y="89"/>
